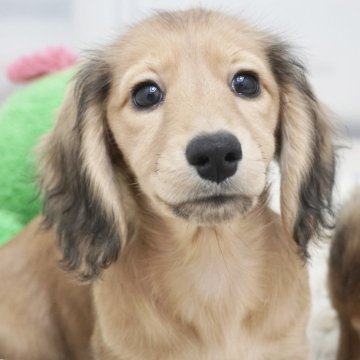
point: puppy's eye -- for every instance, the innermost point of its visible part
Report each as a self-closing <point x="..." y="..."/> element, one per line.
<point x="146" y="95"/>
<point x="246" y="84"/>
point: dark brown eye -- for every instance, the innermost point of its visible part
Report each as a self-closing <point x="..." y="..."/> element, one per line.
<point x="146" y="95"/>
<point x="246" y="84"/>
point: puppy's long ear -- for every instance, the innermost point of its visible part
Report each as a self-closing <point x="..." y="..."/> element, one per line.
<point x="305" y="150"/>
<point x="81" y="194"/>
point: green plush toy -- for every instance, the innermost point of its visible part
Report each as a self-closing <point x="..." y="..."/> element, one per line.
<point x="24" y="118"/>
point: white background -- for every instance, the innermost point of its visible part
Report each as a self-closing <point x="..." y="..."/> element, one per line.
<point x="326" y="31"/>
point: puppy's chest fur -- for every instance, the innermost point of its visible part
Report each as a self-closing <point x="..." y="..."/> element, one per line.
<point x="198" y="301"/>
<point x="214" y="279"/>
<point x="213" y="295"/>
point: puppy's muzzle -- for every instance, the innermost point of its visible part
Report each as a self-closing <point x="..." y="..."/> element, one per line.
<point x="215" y="157"/>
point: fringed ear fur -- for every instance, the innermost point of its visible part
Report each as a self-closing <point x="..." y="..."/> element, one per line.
<point x="305" y="150"/>
<point x="81" y="196"/>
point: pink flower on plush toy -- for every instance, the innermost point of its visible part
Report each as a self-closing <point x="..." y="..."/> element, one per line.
<point x="38" y="64"/>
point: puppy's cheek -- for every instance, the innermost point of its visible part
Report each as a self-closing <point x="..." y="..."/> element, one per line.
<point x="251" y="174"/>
<point x="172" y="179"/>
<point x="160" y="195"/>
<point x="171" y="184"/>
<point x="253" y="187"/>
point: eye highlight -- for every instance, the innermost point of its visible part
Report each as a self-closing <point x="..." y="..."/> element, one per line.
<point x="245" y="84"/>
<point x="146" y="95"/>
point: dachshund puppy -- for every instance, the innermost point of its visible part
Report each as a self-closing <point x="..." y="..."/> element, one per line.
<point x="155" y="185"/>
<point x="344" y="277"/>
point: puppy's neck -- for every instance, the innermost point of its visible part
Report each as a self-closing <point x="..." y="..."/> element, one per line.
<point x="204" y="253"/>
<point x="216" y="266"/>
<point x="157" y="230"/>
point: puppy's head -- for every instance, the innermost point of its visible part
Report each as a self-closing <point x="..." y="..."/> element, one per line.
<point x="189" y="108"/>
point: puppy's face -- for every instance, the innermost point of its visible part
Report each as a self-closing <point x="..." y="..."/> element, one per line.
<point x="196" y="103"/>
<point x="193" y="109"/>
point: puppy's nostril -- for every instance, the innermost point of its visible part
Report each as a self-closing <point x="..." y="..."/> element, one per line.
<point x="201" y="161"/>
<point x="232" y="157"/>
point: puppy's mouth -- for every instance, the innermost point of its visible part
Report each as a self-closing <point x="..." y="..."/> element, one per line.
<point x="212" y="209"/>
<point x="214" y="200"/>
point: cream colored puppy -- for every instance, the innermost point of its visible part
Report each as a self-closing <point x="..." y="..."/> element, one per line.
<point x="155" y="183"/>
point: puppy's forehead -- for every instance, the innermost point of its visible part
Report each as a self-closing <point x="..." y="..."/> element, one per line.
<point x="178" y="36"/>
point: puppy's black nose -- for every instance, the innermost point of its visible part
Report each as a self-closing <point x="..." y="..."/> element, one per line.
<point x="215" y="156"/>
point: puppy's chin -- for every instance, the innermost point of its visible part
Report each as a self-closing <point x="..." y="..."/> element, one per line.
<point x="213" y="209"/>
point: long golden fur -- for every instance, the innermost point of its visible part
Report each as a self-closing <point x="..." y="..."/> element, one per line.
<point x="344" y="277"/>
<point x="173" y="266"/>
